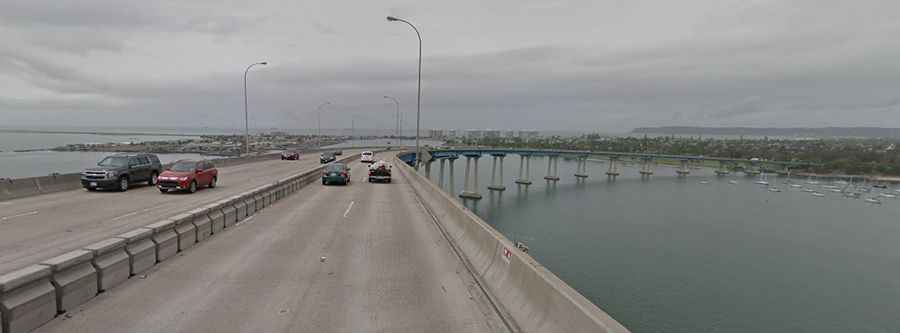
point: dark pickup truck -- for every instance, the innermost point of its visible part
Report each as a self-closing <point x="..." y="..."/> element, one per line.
<point x="119" y="171"/>
<point x="380" y="172"/>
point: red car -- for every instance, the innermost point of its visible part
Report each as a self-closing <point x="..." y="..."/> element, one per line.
<point x="290" y="155"/>
<point x="187" y="175"/>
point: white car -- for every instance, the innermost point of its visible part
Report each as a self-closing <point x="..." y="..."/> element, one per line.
<point x="367" y="157"/>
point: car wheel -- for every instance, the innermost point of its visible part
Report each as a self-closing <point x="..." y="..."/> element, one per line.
<point x="212" y="183"/>
<point x="123" y="184"/>
<point x="154" y="178"/>
<point x="163" y="191"/>
<point x="90" y="189"/>
<point x="193" y="187"/>
<point x="324" y="182"/>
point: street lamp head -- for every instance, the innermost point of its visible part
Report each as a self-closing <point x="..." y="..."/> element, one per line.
<point x="391" y="18"/>
<point x="264" y="63"/>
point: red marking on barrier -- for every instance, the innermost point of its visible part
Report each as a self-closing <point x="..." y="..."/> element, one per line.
<point x="507" y="254"/>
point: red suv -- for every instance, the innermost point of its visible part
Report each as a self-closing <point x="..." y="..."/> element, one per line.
<point x="187" y="175"/>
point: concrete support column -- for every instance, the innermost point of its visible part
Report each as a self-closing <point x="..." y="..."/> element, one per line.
<point x="524" y="170"/>
<point x="551" y="169"/>
<point x="497" y="184"/>
<point x="451" y="179"/>
<point x="613" y="171"/>
<point x="441" y="175"/>
<point x="684" y="169"/>
<point x="471" y="188"/>
<point x="581" y="170"/>
<point x="723" y="169"/>
<point x="646" y="168"/>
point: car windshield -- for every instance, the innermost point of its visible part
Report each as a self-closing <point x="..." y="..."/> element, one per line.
<point x="335" y="168"/>
<point x="367" y="153"/>
<point x="114" y="161"/>
<point x="184" y="166"/>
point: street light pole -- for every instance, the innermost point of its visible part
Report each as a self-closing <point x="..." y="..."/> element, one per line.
<point x="419" y="95"/>
<point x="397" y="103"/>
<point x="319" y="124"/>
<point x="246" y="118"/>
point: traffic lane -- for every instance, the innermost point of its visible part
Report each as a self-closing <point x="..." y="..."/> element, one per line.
<point x="358" y="258"/>
<point x="50" y="228"/>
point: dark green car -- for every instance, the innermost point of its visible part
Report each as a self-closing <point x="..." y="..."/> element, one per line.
<point x="336" y="173"/>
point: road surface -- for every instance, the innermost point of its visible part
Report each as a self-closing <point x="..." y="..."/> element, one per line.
<point x="37" y="228"/>
<point x="358" y="258"/>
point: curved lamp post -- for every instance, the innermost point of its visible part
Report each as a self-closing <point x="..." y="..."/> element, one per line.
<point x="419" y="95"/>
<point x="319" y="124"/>
<point x="246" y="118"/>
<point x="398" y="116"/>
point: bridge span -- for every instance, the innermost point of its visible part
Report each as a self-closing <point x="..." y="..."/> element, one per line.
<point x="294" y="256"/>
<point x="647" y="162"/>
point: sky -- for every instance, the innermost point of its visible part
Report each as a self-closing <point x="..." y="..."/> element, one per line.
<point x="596" y="65"/>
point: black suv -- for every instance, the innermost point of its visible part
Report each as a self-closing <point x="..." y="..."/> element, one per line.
<point x="326" y="158"/>
<point x="121" y="170"/>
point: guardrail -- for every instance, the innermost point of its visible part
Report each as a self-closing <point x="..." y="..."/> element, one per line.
<point x="520" y="287"/>
<point x="32" y="186"/>
<point x="33" y="295"/>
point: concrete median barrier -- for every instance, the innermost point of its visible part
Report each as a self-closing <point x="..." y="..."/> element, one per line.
<point x="111" y="262"/>
<point x="187" y="232"/>
<point x="27" y="299"/>
<point x="260" y="200"/>
<point x="202" y="223"/>
<point x="250" y="203"/>
<point x="74" y="279"/>
<point x="140" y="249"/>
<point x="533" y="297"/>
<point x="164" y="239"/>
<point x="216" y="216"/>
<point x="240" y="209"/>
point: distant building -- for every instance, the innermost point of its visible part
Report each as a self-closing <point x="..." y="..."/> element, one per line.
<point x="452" y="133"/>
<point x="529" y="135"/>
<point x="510" y="134"/>
<point x="436" y="133"/>
<point x="474" y="134"/>
<point x="491" y="134"/>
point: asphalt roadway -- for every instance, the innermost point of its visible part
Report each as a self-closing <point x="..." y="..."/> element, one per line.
<point x="37" y="228"/>
<point x="357" y="258"/>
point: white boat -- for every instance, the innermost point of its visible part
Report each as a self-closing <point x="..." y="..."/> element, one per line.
<point x="829" y="186"/>
<point x="732" y="182"/>
<point x="761" y="182"/>
<point x="873" y="201"/>
<point x="796" y="185"/>
<point x="817" y="194"/>
<point x="887" y="195"/>
<point x="704" y="182"/>
<point x="809" y="190"/>
<point x="835" y="190"/>
<point x="774" y="189"/>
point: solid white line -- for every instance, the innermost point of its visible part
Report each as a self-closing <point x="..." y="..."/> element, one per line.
<point x="4" y="218"/>
<point x="348" y="209"/>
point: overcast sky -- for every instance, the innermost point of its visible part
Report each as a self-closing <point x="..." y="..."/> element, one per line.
<point x="595" y="65"/>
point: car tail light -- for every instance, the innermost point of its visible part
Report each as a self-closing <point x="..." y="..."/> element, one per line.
<point x="344" y="174"/>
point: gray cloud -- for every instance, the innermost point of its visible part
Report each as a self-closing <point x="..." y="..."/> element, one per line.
<point x="591" y="65"/>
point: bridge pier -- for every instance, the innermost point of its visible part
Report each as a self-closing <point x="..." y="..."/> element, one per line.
<point x="471" y="181"/>
<point x="497" y="184"/>
<point x="647" y="166"/>
<point x="613" y="170"/>
<point x="684" y="169"/>
<point x="441" y="175"/>
<point x="723" y="169"/>
<point x="552" y="168"/>
<point x="524" y="170"/>
<point x="451" y="180"/>
<point x="581" y="168"/>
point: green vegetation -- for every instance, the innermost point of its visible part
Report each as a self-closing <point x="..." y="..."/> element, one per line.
<point x="834" y="156"/>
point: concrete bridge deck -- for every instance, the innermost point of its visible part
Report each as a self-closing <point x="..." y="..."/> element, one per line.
<point x="36" y="228"/>
<point x="387" y="268"/>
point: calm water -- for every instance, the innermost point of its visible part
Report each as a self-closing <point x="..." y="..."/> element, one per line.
<point x="675" y="255"/>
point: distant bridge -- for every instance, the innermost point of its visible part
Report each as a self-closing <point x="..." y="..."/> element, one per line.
<point x="647" y="161"/>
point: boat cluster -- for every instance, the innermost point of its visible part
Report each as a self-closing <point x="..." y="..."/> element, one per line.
<point x="870" y="193"/>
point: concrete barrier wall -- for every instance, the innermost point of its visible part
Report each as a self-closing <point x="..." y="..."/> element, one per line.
<point x="535" y="298"/>
<point x="34" y="295"/>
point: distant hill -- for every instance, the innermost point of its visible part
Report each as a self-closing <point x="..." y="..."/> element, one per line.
<point x="822" y="132"/>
